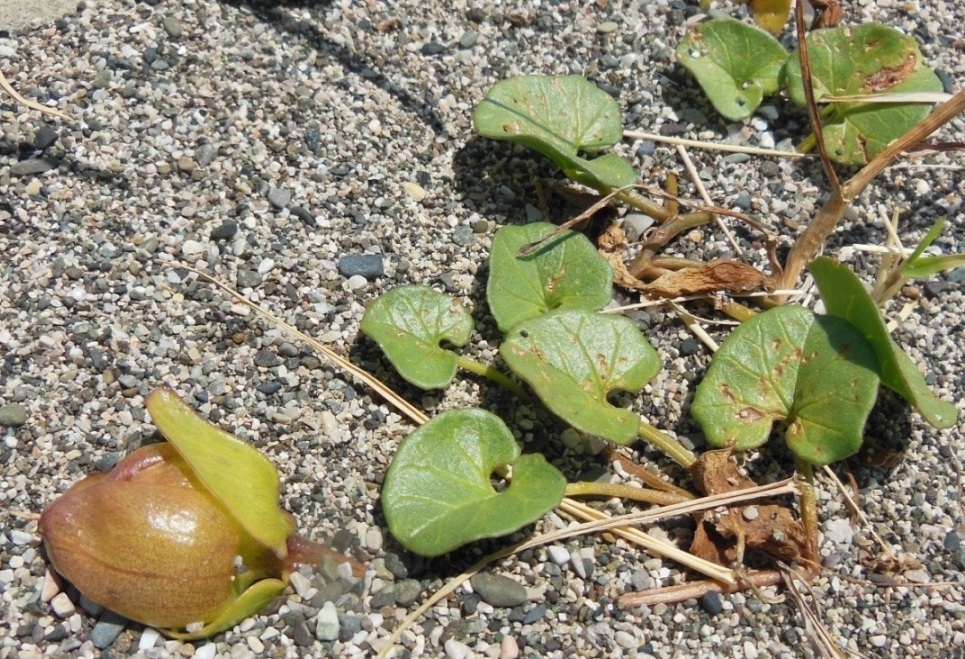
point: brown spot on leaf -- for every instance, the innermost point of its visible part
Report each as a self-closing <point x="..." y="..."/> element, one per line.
<point x="750" y="414"/>
<point x="887" y="78"/>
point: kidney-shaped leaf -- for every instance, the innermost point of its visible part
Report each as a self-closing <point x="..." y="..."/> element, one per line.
<point x="845" y="297"/>
<point x="238" y="475"/>
<point x="438" y="493"/>
<point x="817" y="374"/>
<point x="565" y="271"/>
<point x="736" y="64"/>
<point x="574" y="359"/>
<point x="560" y="117"/>
<point x="409" y="323"/>
<point x="864" y="59"/>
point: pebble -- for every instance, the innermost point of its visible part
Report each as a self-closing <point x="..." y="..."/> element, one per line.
<point x="370" y="266"/>
<point x="62" y="605"/>
<point x="558" y="554"/>
<point x="279" y="197"/>
<point x="414" y="191"/>
<point x="952" y="541"/>
<point x="13" y="415"/>
<point x="456" y="649"/>
<point x="497" y="590"/>
<point x="191" y="248"/>
<point x="468" y="39"/>
<point x="508" y="648"/>
<point x="635" y="224"/>
<point x="205" y="154"/>
<point x="607" y="27"/>
<point x="172" y="26"/>
<point x="326" y="623"/>
<point x="107" y="629"/>
<point x="33" y="166"/>
<point x="839" y="531"/>
<point x="224" y="231"/>
<point x="407" y="592"/>
<point x="45" y="137"/>
<point x="712" y="603"/>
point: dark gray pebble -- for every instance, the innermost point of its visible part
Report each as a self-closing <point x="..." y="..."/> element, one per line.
<point x="952" y="541"/>
<point x="107" y="629"/>
<point x="497" y="590"/>
<point x="172" y="26"/>
<point x="225" y="231"/>
<point x="370" y="266"/>
<point x="248" y="279"/>
<point x="45" y="137"/>
<point x="304" y="215"/>
<point x="13" y="414"/>
<point x="328" y="592"/>
<point x="266" y="358"/>
<point x="395" y="565"/>
<point x="300" y="634"/>
<point x="535" y="614"/>
<point x="33" y="166"/>
<point x="433" y="48"/>
<point x="349" y="626"/>
<point x="712" y="603"/>
<point x="383" y="598"/>
<point x="269" y="388"/>
<point x="407" y="591"/>
<point x="689" y="346"/>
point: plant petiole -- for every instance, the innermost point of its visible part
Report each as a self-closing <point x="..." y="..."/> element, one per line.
<point x="618" y="490"/>
<point x="497" y="376"/>
<point x="667" y="445"/>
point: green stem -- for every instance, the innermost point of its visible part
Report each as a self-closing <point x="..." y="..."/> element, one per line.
<point x="667" y="445"/>
<point x="737" y="311"/>
<point x="809" y="505"/>
<point x="656" y="211"/>
<point x="611" y="490"/>
<point x="486" y="371"/>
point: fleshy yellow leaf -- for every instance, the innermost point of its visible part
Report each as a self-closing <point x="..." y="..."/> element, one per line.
<point x="248" y="604"/>
<point x="238" y="475"/>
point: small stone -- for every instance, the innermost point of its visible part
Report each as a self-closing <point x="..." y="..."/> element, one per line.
<point x="172" y="26"/>
<point x="13" y="415"/>
<point x="149" y="639"/>
<point x="497" y="590"/>
<point x="62" y="605"/>
<point x="750" y="513"/>
<point x="279" y="197"/>
<point x="952" y="541"/>
<point x="468" y="39"/>
<point x="326" y="623"/>
<point x="373" y="539"/>
<point x="191" y="248"/>
<point x="357" y="282"/>
<point x="248" y="279"/>
<point x="535" y="614"/>
<point x="185" y="164"/>
<point x="370" y="266"/>
<point x="107" y="629"/>
<point x="224" y="231"/>
<point x="302" y="585"/>
<point x="33" y="166"/>
<point x="407" y="591"/>
<point x="509" y="648"/>
<point x="266" y="358"/>
<point x="395" y="565"/>
<point x="415" y="191"/>
<point x="839" y="531"/>
<point x="607" y="27"/>
<point x="45" y="137"/>
<point x="625" y="640"/>
<point x="712" y="603"/>
<point x="300" y="634"/>
<point x="456" y="650"/>
<point x="433" y="48"/>
<point x="205" y="154"/>
<point x="50" y="588"/>
<point x="33" y="188"/>
<point x="304" y="215"/>
<point x="689" y="346"/>
<point x="635" y="224"/>
<point x="558" y="554"/>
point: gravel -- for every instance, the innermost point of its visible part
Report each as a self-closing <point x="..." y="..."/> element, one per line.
<point x="268" y="143"/>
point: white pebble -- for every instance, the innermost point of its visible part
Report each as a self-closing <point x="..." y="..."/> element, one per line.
<point x="326" y="623"/>
<point x="356" y="282"/>
<point x="302" y="585"/>
<point x="456" y="650"/>
<point x="256" y="645"/>
<point x="50" y="588"/>
<point x="62" y="605"/>
<point x="148" y="639"/>
<point x="206" y="651"/>
<point x="191" y="248"/>
<point x="266" y="266"/>
<point x="373" y="539"/>
<point x="558" y="554"/>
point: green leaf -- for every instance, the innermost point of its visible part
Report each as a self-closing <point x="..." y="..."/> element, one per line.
<point x="438" y="495"/>
<point x="250" y="602"/>
<point x="845" y="297"/>
<point x="815" y="373"/>
<point x="564" y="272"/>
<point x="409" y="323"/>
<point x="237" y="475"/>
<point x="864" y="59"/>
<point x="574" y="359"/>
<point x="560" y="117"/>
<point x="735" y="63"/>
<point x="918" y="266"/>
